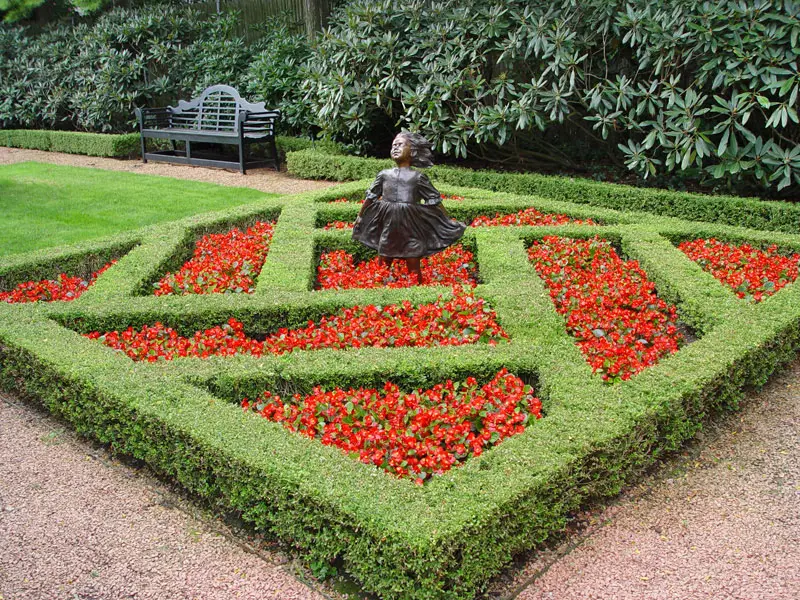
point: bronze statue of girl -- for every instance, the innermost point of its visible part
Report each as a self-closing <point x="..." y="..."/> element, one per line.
<point x="402" y="215"/>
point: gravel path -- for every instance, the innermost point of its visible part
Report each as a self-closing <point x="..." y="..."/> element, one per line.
<point x="720" y="521"/>
<point x="76" y="524"/>
<point x="265" y="180"/>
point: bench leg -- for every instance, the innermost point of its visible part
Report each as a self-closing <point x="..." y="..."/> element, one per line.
<point x="242" y="169"/>
<point x="276" y="161"/>
<point x="188" y="149"/>
<point x="144" y="148"/>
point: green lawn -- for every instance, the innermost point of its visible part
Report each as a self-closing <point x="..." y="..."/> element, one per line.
<point x="49" y="205"/>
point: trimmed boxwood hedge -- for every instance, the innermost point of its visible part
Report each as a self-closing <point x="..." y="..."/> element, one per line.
<point x="125" y="145"/>
<point x="446" y="539"/>
<point x="72" y="142"/>
<point x="730" y="210"/>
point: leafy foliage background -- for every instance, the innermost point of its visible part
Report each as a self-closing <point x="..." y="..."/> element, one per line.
<point x="709" y="87"/>
<point x="703" y="90"/>
<point x="90" y="76"/>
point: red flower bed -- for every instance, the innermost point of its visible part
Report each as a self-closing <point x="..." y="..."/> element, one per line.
<point x="222" y="262"/>
<point x="750" y="272"/>
<point x="338" y="225"/>
<point x="413" y="435"/>
<point x="63" y="288"/>
<point x="609" y="305"/>
<point x="337" y="270"/>
<point x="528" y="216"/>
<point x="463" y="319"/>
<point x="156" y="341"/>
<point x="444" y="197"/>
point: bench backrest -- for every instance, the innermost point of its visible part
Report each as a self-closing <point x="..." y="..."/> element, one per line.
<point x="214" y="110"/>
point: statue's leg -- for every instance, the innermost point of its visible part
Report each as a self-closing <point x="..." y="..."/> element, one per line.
<point x="387" y="260"/>
<point x="413" y="265"/>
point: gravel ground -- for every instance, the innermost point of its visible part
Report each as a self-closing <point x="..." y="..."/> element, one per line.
<point x="76" y="524"/>
<point x="719" y="521"/>
<point x="265" y="180"/>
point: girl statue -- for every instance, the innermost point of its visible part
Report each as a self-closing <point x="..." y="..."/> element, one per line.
<point x="402" y="215"/>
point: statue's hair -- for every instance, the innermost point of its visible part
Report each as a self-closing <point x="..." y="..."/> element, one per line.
<point x="421" y="154"/>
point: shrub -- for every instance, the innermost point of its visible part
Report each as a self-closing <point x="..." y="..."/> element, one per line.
<point x="102" y="70"/>
<point x="124" y="145"/>
<point x="315" y="164"/>
<point x="275" y="72"/>
<point x="92" y="75"/>
<point x="73" y="142"/>
<point x="288" y="144"/>
<point x="709" y="89"/>
<point x="731" y="210"/>
<point x="34" y="88"/>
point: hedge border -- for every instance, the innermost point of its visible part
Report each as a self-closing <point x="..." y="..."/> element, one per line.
<point x="73" y="142"/>
<point x="126" y="145"/>
<point x="448" y="538"/>
<point x="729" y="210"/>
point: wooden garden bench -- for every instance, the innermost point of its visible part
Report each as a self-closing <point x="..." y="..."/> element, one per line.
<point x="218" y="116"/>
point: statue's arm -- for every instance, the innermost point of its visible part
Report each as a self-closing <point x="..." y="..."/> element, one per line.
<point x="429" y="194"/>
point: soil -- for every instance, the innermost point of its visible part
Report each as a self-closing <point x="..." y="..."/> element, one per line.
<point x="721" y="520"/>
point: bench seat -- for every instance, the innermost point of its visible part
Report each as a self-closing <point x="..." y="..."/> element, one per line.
<point x="218" y="116"/>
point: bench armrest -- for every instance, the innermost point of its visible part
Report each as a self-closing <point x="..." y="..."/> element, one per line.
<point x="263" y="122"/>
<point x="153" y="118"/>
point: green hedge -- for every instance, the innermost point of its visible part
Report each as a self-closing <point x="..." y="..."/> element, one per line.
<point x="287" y="144"/>
<point x="313" y="164"/>
<point x="446" y="539"/>
<point x="126" y="145"/>
<point x="730" y="210"/>
<point x="72" y="142"/>
<point x="78" y="260"/>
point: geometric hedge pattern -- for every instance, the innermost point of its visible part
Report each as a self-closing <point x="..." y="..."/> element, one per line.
<point x="441" y="540"/>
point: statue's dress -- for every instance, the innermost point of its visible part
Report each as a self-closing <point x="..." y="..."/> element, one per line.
<point x="405" y="218"/>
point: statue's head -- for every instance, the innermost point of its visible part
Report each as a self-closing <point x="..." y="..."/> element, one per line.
<point x="412" y="146"/>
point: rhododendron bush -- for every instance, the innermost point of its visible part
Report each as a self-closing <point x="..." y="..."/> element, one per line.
<point x="464" y="319"/>
<point x="414" y="434"/>
<point x="338" y="270"/>
<point x="610" y="306"/>
<point x="752" y="273"/>
<point x="63" y="287"/>
<point x="222" y="262"/>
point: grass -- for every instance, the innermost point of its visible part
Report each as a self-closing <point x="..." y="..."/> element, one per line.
<point x="51" y="205"/>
